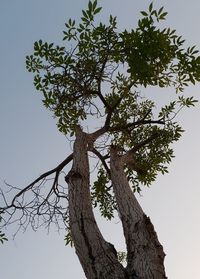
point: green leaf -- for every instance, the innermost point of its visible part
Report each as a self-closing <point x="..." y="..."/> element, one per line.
<point x="151" y="7"/>
<point x="96" y="11"/>
<point x="163" y="16"/>
<point x="68" y="239"/>
<point x="94" y="5"/>
<point x="90" y="6"/>
<point x="85" y="14"/>
<point x="144" y="13"/>
<point x="160" y="10"/>
<point x="85" y="20"/>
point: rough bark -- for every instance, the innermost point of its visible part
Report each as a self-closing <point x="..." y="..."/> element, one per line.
<point x="97" y="257"/>
<point x="145" y="254"/>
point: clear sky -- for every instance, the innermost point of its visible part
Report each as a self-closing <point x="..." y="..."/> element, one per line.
<point x="30" y="143"/>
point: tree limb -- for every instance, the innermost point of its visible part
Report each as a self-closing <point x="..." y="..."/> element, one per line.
<point x="98" y="154"/>
<point x="41" y="177"/>
<point x="145" y="142"/>
<point x="134" y="124"/>
<point x="93" y="136"/>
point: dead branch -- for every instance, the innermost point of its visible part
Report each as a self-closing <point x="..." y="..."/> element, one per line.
<point x="37" y="204"/>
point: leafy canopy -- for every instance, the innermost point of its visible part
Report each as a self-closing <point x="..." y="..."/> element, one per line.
<point x="96" y="75"/>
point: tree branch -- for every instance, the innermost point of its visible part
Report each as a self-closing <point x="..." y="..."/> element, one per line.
<point x="98" y="154"/>
<point x="99" y="83"/>
<point x="145" y="142"/>
<point x="134" y="124"/>
<point x="41" y="177"/>
<point x="93" y="136"/>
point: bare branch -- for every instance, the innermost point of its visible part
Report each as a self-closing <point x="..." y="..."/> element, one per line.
<point x="36" y="205"/>
<point x="41" y="177"/>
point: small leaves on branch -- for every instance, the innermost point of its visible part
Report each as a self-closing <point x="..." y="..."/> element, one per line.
<point x="3" y="237"/>
<point x="102" y="195"/>
<point x="71" y="79"/>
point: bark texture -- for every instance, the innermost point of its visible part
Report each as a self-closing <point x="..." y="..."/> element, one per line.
<point x="145" y="254"/>
<point x="97" y="257"/>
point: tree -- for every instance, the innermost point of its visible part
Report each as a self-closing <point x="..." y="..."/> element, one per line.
<point x="100" y="77"/>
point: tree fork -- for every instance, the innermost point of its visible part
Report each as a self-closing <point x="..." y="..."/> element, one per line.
<point x="98" y="257"/>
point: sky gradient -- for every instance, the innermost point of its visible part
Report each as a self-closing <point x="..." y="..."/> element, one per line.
<point x="30" y="143"/>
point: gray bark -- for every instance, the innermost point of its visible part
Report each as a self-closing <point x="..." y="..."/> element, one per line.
<point x="97" y="257"/>
<point x="145" y="254"/>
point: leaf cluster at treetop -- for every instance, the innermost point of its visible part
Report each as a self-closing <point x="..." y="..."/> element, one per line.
<point x="99" y="56"/>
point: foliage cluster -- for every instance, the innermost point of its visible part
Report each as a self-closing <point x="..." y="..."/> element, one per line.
<point x="97" y="74"/>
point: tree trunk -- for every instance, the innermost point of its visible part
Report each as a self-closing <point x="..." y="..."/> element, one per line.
<point x="145" y="254"/>
<point x="97" y="257"/>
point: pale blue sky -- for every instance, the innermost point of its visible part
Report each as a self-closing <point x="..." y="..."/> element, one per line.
<point x="30" y="143"/>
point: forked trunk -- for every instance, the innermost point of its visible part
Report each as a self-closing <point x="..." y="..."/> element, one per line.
<point x="98" y="257"/>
